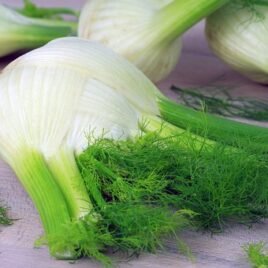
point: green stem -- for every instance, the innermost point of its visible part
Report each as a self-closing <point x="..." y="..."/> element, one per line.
<point x="33" y="36"/>
<point x="65" y="171"/>
<point x="33" y="173"/>
<point x="26" y="37"/>
<point x="215" y="127"/>
<point x="154" y="124"/>
<point x="22" y="33"/>
<point x="45" y="16"/>
<point x="71" y="25"/>
<point x="179" y="16"/>
<point x="42" y="12"/>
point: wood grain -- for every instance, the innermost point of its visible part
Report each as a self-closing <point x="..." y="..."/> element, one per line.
<point x="197" y="68"/>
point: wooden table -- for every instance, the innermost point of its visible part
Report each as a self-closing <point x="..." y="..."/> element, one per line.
<point x="198" y="67"/>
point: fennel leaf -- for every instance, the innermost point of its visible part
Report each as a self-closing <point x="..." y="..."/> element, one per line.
<point x="32" y="10"/>
<point x="217" y="185"/>
<point x="4" y="219"/>
<point x="217" y="100"/>
<point x="257" y="255"/>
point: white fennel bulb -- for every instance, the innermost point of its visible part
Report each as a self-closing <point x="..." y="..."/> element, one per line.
<point x="146" y="32"/>
<point x="237" y="34"/>
<point x="51" y="99"/>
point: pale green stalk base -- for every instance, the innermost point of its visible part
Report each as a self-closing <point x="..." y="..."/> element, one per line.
<point x="33" y="173"/>
<point x="179" y="16"/>
<point x="72" y="25"/>
<point x="39" y="34"/>
<point x="4" y="219"/>
<point x="65" y="171"/>
<point x="165" y="129"/>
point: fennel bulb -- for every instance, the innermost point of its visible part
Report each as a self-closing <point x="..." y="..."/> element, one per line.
<point x="22" y="33"/>
<point x="55" y="99"/>
<point x="237" y="34"/>
<point x="145" y="32"/>
<point x="50" y="99"/>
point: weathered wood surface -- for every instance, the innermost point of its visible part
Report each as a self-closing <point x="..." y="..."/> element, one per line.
<point x="197" y="68"/>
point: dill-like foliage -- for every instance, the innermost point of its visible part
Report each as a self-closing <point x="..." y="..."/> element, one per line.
<point x="253" y="6"/>
<point x="32" y="10"/>
<point x="127" y="227"/>
<point x="216" y="182"/>
<point x="217" y="100"/>
<point x="4" y="219"/>
<point x="129" y="195"/>
<point x="145" y="190"/>
<point x="257" y="255"/>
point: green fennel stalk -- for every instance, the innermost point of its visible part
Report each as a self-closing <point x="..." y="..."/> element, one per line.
<point x="67" y="176"/>
<point x="214" y="127"/>
<point x="37" y="180"/>
<point x="178" y="16"/>
<point x="23" y="33"/>
<point x="32" y="10"/>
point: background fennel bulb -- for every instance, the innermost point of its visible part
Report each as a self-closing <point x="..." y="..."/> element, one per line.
<point x="146" y="32"/>
<point x="237" y="34"/>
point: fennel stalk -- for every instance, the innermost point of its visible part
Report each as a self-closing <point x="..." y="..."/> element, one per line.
<point x="19" y="33"/>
